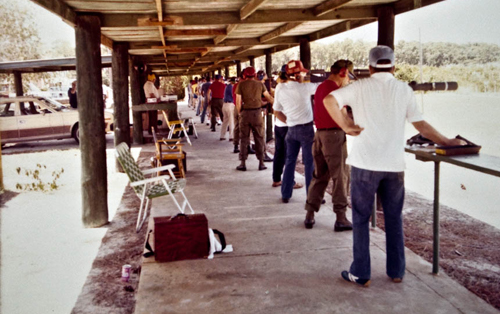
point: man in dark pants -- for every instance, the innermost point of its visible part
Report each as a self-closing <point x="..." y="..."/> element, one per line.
<point x="216" y="94"/>
<point x="329" y="152"/>
<point x="380" y="105"/>
<point x="249" y="93"/>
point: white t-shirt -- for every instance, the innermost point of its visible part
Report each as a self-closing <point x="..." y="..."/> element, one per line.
<point x="294" y="100"/>
<point x="150" y="88"/>
<point x="380" y="104"/>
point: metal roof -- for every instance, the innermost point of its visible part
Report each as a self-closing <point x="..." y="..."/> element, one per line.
<point x="46" y="65"/>
<point x="179" y="37"/>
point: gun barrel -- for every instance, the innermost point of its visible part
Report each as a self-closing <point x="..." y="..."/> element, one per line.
<point x="434" y="86"/>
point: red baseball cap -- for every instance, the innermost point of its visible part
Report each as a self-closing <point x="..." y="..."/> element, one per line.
<point x="295" y="66"/>
<point x="249" y="72"/>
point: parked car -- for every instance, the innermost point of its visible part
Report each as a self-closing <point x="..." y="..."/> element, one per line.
<point x="28" y="118"/>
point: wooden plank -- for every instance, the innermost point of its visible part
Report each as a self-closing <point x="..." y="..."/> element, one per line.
<point x="242" y="49"/>
<point x="250" y="8"/>
<point x="106" y="41"/>
<point x="180" y="50"/>
<point x="338" y="28"/>
<point x="150" y="21"/>
<point x="194" y="32"/>
<point x="259" y="17"/>
<point x="229" y="29"/>
<point x="328" y="6"/>
<point x="279" y="31"/>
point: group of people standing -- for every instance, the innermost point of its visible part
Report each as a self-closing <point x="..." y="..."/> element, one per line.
<point x="373" y="111"/>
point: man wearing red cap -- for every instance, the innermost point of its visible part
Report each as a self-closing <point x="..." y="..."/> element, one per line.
<point x="248" y="105"/>
<point x="329" y="152"/>
<point x="293" y="107"/>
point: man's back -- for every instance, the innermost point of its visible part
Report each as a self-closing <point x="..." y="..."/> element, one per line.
<point x="380" y="105"/>
<point x="251" y="91"/>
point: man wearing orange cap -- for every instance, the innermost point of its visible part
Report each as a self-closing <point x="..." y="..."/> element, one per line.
<point x="149" y="87"/>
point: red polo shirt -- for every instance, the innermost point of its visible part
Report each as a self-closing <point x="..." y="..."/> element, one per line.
<point x="322" y="118"/>
<point x="217" y="89"/>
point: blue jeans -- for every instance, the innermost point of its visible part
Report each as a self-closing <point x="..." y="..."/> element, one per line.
<point x="297" y="137"/>
<point x="389" y="186"/>
<point x="279" y="152"/>
<point x="204" y="111"/>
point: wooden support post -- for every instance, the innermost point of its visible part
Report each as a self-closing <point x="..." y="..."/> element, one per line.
<point x="219" y="71"/>
<point x="135" y="93"/>
<point x="18" y="83"/>
<point x="91" y="116"/>
<point x="226" y="71"/>
<point x="252" y="61"/>
<point x="386" y="26"/>
<point x="269" y="116"/>
<point x="238" y="68"/>
<point x="119" y="64"/>
<point x="305" y="53"/>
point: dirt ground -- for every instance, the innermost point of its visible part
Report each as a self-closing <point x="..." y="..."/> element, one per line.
<point x="104" y="292"/>
<point x="469" y="251"/>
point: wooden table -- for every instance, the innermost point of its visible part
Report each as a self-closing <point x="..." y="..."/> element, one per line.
<point x="478" y="162"/>
<point x="170" y="107"/>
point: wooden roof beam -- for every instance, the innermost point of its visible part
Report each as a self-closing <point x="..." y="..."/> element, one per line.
<point x="279" y="31"/>
<point x="328" y="6"/>
<point x="242" y="49"/>
<point x="173" y="49"/>
<point x="153" y="21"/>
<point x="261" y="16"/>
<point x="194" y="32"/>
<point x="250" y="8"/>
<point x="338" y="28"/>
<point x="229" y="29"/>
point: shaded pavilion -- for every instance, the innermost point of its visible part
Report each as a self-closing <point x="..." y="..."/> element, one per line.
<point x="185" y="37"/>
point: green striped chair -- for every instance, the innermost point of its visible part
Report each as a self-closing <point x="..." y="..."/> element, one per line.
<point x="148" y="188"/>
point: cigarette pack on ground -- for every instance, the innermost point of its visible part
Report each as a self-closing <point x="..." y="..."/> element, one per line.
<point x="468" y="149"/>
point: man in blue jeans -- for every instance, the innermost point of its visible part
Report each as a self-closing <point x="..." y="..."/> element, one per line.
<point x="292" y="105"/>
<point x="380" y="106"/>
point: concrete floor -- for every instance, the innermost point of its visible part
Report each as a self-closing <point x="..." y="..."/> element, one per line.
<point x="277" y="265"/>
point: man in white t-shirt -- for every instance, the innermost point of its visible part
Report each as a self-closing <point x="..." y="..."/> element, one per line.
<point x="149" y="87"/>
<point x="380" y="106"/>
<point x="293" y="107"/>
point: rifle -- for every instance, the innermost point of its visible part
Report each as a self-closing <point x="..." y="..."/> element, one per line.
<point x="318" y="76"/>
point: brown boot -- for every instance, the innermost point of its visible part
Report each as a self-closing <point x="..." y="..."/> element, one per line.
<point x="342" y="223"/>
<point x="309" y="221"/>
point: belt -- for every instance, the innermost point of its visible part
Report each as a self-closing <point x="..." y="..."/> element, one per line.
<point x="329" y="129"/>
<point x="305" y="124"/>
<point x="248" y="109"/>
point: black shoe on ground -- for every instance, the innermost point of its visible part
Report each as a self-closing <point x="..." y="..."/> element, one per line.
<point x="351" y="278"/>
<point x="241" y="168"/>
<point x="285" y="200"/>
<point x="323" y="202"/>
<point x="267" y="158"/>
<point x="236" y="149"/>
<point x="262" y="167"/>
<point x="213" y="130"/>
<point x="342" y="226"/>
<point x="251" y="150"/>
<point x="309" y="223"/>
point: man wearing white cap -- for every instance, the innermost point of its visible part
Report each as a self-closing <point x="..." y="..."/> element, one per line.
<point x="380" y="106"/>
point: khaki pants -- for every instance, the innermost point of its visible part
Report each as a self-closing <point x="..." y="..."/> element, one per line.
<point x="329" y="153"/>
<point x="251" y="121"/>
<point x="228" y="111"/>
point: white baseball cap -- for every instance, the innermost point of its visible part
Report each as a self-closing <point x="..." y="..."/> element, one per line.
<point x="380" y="53"/>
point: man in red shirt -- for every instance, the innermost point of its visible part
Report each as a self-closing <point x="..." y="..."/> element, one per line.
<point x="329" y="152"/>
<point x="216" y="90"/>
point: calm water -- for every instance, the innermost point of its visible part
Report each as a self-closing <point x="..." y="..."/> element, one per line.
<point x="475" y="117"/>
